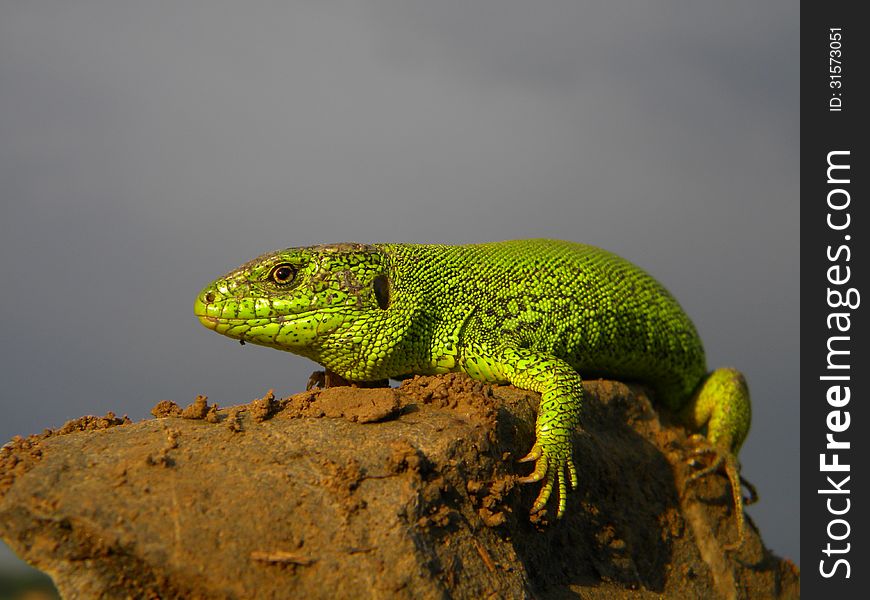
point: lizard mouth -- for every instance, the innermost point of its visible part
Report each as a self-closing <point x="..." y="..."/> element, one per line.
<point x="210" y="322"/>
<point x="213" y="322"/>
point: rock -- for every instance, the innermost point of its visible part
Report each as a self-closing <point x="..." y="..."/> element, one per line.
<point x="356" y="492"/>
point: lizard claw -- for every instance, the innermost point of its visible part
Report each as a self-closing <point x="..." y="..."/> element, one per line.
<point x="753" y="493"/>
<point x="554" y="472"/>
<point x="534" y="454"/>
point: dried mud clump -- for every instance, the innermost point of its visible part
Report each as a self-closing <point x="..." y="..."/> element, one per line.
<point x="91" y="423"/>
<point x="166" y="408"/>
<point x="198" y="409"/>
<point x="265" y="408"/>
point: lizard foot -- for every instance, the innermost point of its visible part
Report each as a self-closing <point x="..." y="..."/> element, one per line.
<point x="719" y="462"/>
<point x="553" y="470"/>
<point x="316" y="380"/>
<point x="327" y="379"/>
<point x="726" y="462"/>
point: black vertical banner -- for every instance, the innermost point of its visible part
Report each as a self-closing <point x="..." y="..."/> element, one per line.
<point x="835" y="370"/>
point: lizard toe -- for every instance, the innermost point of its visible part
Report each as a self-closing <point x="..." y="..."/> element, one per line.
<point x="534" y="454"/>
<point x="543" y="495"/>
<point x="572" y="473"/>
<point x="541" y="470"/>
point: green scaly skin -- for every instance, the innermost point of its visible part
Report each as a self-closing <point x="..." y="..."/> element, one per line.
<point x="533" y="313"/>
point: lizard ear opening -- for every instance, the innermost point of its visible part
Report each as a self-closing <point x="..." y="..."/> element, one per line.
<point x="381" y="286"/>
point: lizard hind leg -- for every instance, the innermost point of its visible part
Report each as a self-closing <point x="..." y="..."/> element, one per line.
<point x="721" y="407"/>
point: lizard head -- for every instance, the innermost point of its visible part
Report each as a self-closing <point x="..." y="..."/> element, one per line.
<point x="294" y="299"/>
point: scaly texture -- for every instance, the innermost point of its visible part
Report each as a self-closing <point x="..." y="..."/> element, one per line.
<point x="533" y="313"/>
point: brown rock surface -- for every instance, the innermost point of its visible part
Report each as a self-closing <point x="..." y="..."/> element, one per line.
<point x="381" y="493"/>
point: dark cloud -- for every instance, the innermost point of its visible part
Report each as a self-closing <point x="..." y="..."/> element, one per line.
<point x="148" y="147"/>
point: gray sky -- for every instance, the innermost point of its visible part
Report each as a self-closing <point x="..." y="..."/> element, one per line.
<point x="148" y="147"/>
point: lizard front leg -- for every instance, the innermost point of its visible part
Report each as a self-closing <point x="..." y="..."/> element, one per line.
<point x="561" y="392"/>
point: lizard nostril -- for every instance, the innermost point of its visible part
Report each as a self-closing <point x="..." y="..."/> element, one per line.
<point x="209" y="298"/>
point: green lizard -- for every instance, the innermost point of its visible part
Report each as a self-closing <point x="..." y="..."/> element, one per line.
<point x="533" y="313"/>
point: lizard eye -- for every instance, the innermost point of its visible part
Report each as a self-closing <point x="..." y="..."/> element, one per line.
<point x="283" y="274"/>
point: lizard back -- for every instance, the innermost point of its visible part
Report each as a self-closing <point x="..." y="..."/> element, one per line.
<point x="597" y="311"/>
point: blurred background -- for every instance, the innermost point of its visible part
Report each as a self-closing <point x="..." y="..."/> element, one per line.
<point x="148" y="147"/>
